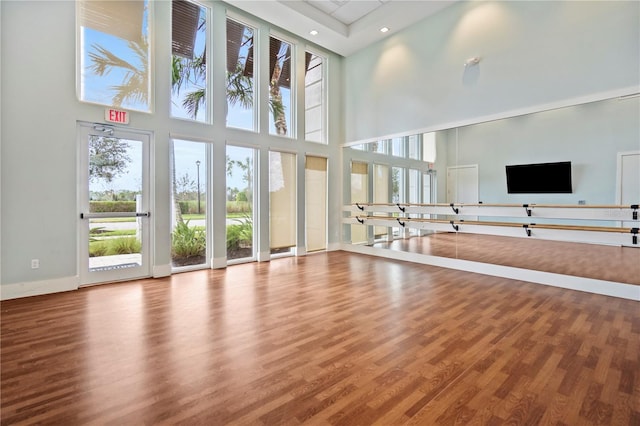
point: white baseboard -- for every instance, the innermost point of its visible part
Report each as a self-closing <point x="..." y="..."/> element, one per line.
<point x="37" y="288"/>
<point x="218" y="262"/>
<point x="590" y="285"/>
<point x="161" y="271"/>
<point x="334" y="246"/>
<point x="264" y="256"/>
<point x="301" y="251"/>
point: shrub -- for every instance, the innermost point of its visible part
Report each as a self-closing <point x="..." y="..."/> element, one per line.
<point x="125" y="245"/>
<point x="191" y="207"/>
<point x="98" y="248"/>
<point x="188" y="241"/>
<point x="112" y="206"/>
<point x="240" y="234"/>
<point x="114" y="246"/>
<point x="238" y="207"/>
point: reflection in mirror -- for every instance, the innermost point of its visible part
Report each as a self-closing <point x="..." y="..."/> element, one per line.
<point x="601" y="140"/>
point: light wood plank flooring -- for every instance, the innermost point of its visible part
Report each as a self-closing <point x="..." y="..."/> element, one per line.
<point x="327" y="339"/>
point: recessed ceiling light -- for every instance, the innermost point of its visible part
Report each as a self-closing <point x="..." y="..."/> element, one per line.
<point x="313" y="32"/>
<point x="384" y="29"/>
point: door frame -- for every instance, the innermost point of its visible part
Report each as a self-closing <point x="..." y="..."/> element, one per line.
<point x="450" y="184"/>
<point x="619" y="173"/>
<point x="86" y="278"/>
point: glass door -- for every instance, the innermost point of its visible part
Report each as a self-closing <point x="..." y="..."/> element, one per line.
<point x="114" y="228"/>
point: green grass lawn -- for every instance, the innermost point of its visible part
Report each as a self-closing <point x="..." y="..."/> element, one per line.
<point x="185" y="217"/>
<point x="114" y="233"/>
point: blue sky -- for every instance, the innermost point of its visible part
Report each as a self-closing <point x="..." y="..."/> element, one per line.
<point x="99" y="89"/>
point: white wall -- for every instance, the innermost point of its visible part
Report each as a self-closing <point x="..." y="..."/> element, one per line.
<point x="533" y="53"/>
<point x="39" y="216"/>
<point x="589" y="135"/>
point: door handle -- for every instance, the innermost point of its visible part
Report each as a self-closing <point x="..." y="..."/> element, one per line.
<point x="113" y="214"/>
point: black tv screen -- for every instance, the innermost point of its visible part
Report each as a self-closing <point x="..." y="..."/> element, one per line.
<point x="541" y="178"/>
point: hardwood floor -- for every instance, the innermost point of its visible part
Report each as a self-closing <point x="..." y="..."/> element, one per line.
<point x="328" y="339"/>
<point x="610" y="263"/>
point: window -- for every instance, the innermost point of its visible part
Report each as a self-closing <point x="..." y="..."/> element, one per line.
<point x="397" y="147"/>
<point x="414" y="147"/>
<point x="114" y="58"/>
<point x="188" y="60"/>
<point x="397" y="181"/>
<point x="359" y="194"/>
<point x="280" y="87"/>
<point x="241" y="94"/>
<point x="381" y="147"/>
<point x="397" y="193"/>
<point x="380" y="194"/>
<point x="282" y="201"/>
<point x="314" y="87"/>
<point x="240" y="201"/>
<point x="429" y="147"/>
<point x="189" y="200"/>
<point x="316" y="202"/>
<point x="414" y="194"/>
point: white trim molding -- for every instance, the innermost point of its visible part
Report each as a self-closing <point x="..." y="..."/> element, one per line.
<point x="218" y="262"/>
<point x="38" y="288"/>
<point x="160" y="271"/>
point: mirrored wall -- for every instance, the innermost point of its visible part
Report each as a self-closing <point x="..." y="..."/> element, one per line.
<point x="585" y="155"/>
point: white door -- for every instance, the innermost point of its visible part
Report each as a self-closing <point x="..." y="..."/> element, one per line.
<point x="462" y="184"/>
<point x="629" y="181"/>
<point x="114" y="217"/>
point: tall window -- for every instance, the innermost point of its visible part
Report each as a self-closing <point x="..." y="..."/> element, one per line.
<point x="240" y="197"/>
<point x="189" y="199"/>
<point x="241" y="94"/>
<point x="114" y="58"/>
<point x="316" y="202"/>
<point x="380" y="193"/>
<point x="414" y="194"/>
<point x="381" y="147"/>
<point x="314" y="87"/>
<point x="188" y="60"/>
<point x="359" y="194"/>
<point x="429" y="147"/>
<point x="413" y="143"/>
<point x="397" y="147"/>
<point x="282" y="201"/>
<point x="397" y="182"/>
<point x="280" y="87"/>
<point x="398" y="192"/>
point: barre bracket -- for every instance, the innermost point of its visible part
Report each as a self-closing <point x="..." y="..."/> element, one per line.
<point x="455" y="210"/>
<point x="527" y="209"/>
<point x="360" y="207"/>
<point x="401" y="223"/>
<point x="634" y="214"/>
<point x="402" y="209"/>
<point x="456" y="227"/>
<point x="527" y="230"/>
<point x="634" y="238"/>
<point x="359" y="220"/>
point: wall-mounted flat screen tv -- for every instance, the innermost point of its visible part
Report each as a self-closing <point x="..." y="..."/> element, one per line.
<point x="540" y="178"/>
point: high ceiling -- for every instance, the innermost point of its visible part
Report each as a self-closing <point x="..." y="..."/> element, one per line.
<point x="343" y="26"/>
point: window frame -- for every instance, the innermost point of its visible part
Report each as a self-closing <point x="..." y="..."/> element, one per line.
<point x="324" y="119"/>
<point x="292" y="126"/>
<point x="80" y="64"/>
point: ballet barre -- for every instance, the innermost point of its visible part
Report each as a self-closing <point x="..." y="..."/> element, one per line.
<point x="622" y="236"/>
<point x="606" y="212"/>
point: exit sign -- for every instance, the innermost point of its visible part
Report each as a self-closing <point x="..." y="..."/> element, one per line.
<point x="116" y="116"/>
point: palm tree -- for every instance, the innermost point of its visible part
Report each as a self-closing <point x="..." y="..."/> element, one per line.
<point x="135" y="83"/>
<point x="186" y="73"/>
